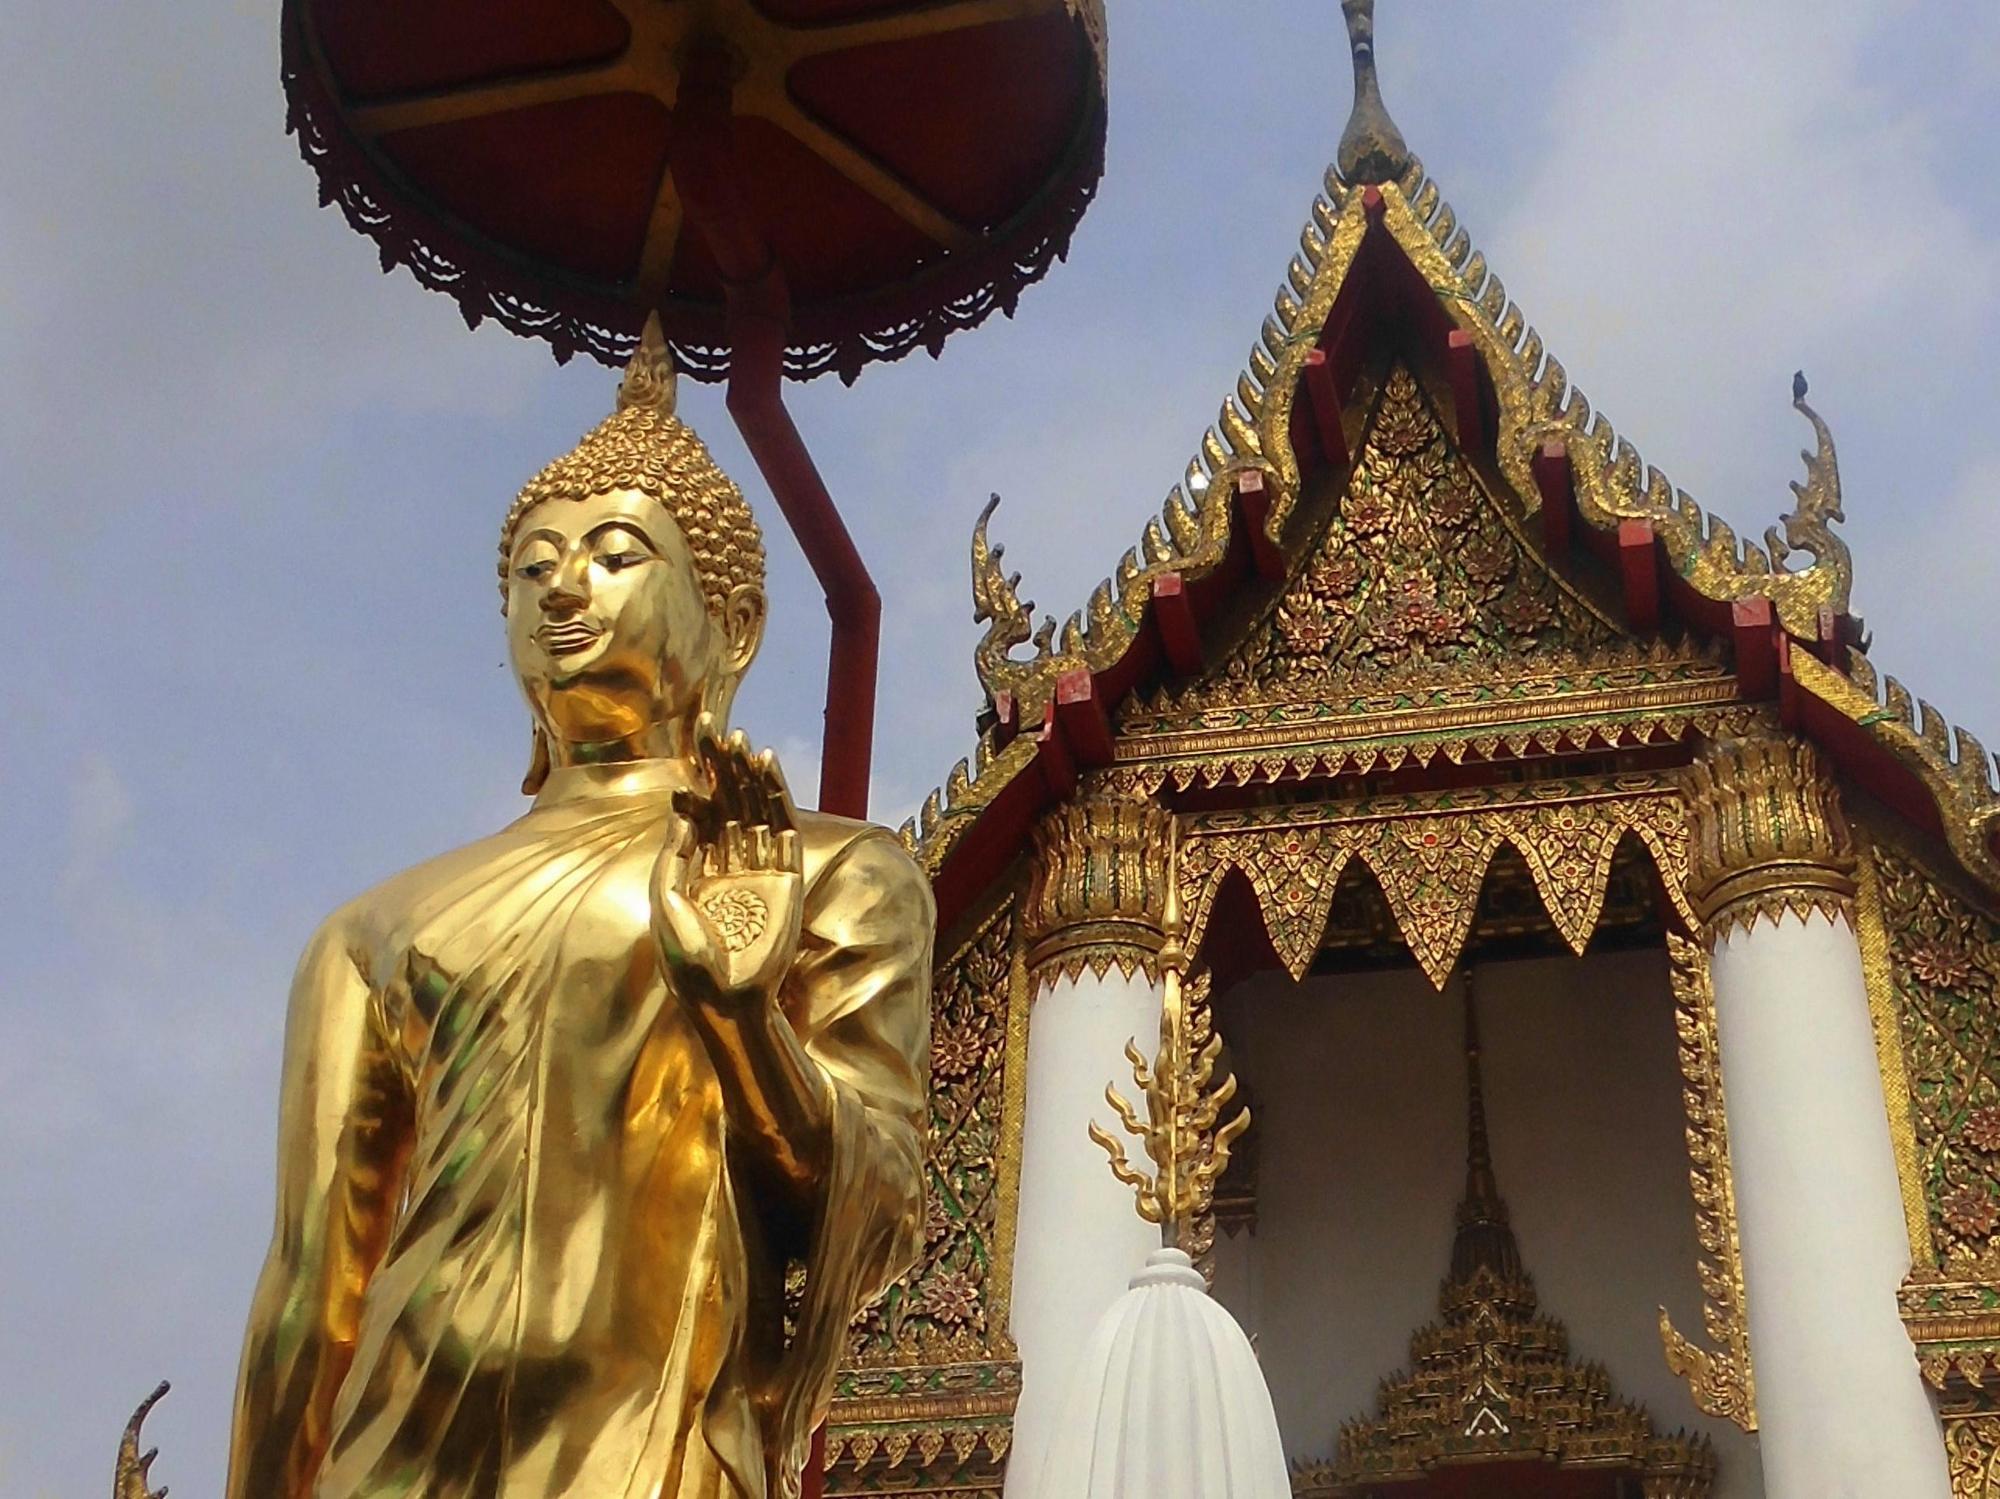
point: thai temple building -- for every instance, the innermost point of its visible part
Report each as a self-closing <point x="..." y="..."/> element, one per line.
<point x="1606" y="955"/>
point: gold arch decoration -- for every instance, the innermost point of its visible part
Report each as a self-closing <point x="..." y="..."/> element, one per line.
<point x="1430" y="854"/>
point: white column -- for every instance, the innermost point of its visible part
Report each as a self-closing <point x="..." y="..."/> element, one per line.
<point x="1080" y="1237"/>
<point x="1841" y="1408"/>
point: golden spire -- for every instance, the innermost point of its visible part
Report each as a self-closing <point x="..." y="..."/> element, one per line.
<point x="1181" y="1108"/>
<point x="1371" y="147"/>
<point x="1485" y="1238"/>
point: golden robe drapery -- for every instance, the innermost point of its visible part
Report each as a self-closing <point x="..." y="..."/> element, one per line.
<point x="515" y="1254"/>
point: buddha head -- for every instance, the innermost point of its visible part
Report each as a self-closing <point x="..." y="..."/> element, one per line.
<point x="632" y="579"/>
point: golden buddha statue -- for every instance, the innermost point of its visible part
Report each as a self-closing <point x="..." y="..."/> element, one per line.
<point x="563" y="1108"/>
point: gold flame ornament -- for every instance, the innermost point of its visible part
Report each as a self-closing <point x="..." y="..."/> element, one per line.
<point x="1181" y="1107"/>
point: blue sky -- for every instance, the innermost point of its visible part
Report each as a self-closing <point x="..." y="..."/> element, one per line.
<point x="254" y="487"/>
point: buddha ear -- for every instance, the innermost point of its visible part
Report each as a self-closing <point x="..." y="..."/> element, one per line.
<point x="538" y="764"/>
<point x="742" y="622"/>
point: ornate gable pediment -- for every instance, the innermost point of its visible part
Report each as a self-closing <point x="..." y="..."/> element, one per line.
<point x="1418" y="571"/>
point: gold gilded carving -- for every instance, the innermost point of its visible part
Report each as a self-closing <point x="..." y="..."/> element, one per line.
<point x="1569" y="853"/>
<point x="1627" y="692"/>
<point x="939" y="1310"/>
<point x="1098" y="888"/>
<point x="1972" y="1449"/>
<point x="1183" y="1133"/>
<point x="1954" y="766"/>
<point x="1293" y="870"/>
<point x="1938" y="957"/>
<point x="1766" y="834"/>
<point x="1430" y="855"/>
<point x="1944" y="963"/>
<point x="618" y="1074"/>
<point x="1719" y="1376"/>
<point x="1885" y="1019"/>
<point x="1431" y="868"/>
<point x="1419" y="570"/>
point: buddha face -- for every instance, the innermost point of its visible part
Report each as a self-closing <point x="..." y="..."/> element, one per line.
<point x="611" y="634"/>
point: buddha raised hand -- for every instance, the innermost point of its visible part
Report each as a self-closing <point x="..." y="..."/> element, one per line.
<point x="561" y="1108"/>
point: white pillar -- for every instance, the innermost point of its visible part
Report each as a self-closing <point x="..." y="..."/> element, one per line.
<point x="1841" y="1408"/>
<point x="1079" y="1237"/>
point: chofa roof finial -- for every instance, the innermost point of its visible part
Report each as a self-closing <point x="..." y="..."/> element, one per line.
<point x="1371" y="147"/>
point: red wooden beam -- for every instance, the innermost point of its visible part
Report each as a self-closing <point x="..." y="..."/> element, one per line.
<point x="1325" y="403"/>
<point x="1467" y="394"/>
<point x="1173" y="616"/>
<point x="1754" y="627"/>
<point x="1343" y="338"/>
<point x="1006" y="719"/>
<point x="1057" y="764"/>
<point x="1639" y="570"/>
<point x="1554" y="481"/>
<point x="1254" y="499"/>
<point x="1081" y="722"/>
<point x="1790" y="694"/>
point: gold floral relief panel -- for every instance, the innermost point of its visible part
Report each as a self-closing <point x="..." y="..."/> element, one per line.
<point x="1418" y="567"/>
<point x="1943" y="963"/>
<point x="952" y="1306"/>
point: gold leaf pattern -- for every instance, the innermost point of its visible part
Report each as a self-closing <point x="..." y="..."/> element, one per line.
<point x="1430" y="856"/>
<point x="1419" y="568"/>
<point x="1293" y="871"/>
<point x="938" y="1311"/>
<point x="1431" y="869"/>
<point x="1944" y="964"/>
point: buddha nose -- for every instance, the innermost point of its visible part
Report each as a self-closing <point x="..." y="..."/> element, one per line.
<point x="571" y="588"/>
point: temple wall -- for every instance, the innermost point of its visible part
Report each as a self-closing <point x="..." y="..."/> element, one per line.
<point x="1360" y="1094"/>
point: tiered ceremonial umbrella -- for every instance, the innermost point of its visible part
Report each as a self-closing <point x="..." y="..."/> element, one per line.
<point x="793" y="186"/>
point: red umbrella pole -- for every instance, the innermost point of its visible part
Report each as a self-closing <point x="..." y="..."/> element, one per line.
<point x="759" y="318"/>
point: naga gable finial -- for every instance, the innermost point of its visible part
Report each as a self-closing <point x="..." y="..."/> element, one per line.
<point x="996" y="600"/>
<point x="134" y="1466"/>
<point x="1809" y="528"/>
<point x="1371" y="147"/>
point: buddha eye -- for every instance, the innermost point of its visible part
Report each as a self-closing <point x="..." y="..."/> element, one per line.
<point x="618" y="561"/>
<point x="535" y="571"/>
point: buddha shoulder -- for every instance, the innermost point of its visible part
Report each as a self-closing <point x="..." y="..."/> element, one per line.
<point x="848" y="861"/>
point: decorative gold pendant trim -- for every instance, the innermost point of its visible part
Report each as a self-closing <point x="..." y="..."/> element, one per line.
<point x="1719" y="1377"/>
<point x="1873" y="934"/>
<point x="1430" y="855"/>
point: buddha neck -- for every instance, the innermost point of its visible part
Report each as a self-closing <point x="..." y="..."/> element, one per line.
<point x="652" y="777"/>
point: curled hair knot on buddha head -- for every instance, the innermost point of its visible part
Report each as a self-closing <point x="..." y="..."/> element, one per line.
<point x="643" y="446"/>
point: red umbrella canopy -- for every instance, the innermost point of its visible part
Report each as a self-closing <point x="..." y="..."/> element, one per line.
<point x="909" y="164"/>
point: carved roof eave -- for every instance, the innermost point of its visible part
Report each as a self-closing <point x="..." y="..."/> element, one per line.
<point x="1536" y="406"/>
